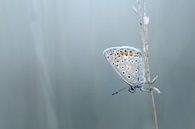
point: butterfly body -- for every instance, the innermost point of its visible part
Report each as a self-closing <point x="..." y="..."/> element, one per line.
<point x="128" y="63"/>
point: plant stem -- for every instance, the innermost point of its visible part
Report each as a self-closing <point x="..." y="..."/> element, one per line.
<point x="144" y="23"/>
<point x="147" y="68"/>
<point x="154" y="111"/>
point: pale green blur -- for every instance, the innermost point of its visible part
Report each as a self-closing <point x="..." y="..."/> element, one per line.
<point x="53" y="74"/>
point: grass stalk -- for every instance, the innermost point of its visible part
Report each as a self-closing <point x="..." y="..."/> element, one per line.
<point x="144" y="25"/>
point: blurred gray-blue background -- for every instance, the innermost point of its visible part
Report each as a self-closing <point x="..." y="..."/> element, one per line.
<point x="53" y="74"/>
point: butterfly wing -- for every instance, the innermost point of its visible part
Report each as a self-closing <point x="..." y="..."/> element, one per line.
<point x="127" y="62"/>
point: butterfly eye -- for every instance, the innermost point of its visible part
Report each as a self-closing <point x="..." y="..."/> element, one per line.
<point x="130" y="53"/>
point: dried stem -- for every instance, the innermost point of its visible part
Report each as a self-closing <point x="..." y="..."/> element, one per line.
<point x="154" y="111"/>
<point x="147" y="68"/>
<point x="144" y="23"/>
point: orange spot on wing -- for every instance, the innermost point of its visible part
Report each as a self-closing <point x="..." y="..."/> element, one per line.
<point x="116" y="60"/>
<point x="126" y="53"/>
<point x="131" y="53"/>
<point x="136" y="54"/>
<point x="122" y="53"/>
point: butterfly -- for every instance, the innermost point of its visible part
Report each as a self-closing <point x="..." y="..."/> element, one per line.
<point x="128" y="62"/>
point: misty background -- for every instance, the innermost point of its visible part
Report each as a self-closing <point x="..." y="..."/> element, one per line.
<point x="53" y="74"/>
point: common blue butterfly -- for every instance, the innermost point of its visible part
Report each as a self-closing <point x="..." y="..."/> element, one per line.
<point x="128" y="62"/>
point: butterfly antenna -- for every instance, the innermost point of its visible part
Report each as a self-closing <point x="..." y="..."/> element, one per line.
<point x="120" y="90"/>
<point x="150" y="89"/>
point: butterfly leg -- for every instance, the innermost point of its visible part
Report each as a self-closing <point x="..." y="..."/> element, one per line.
<point x="146" y="89"/>
<point x="156" y="90"/>
<point x="150" y="89"/>
<point x="154" y="79"/>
